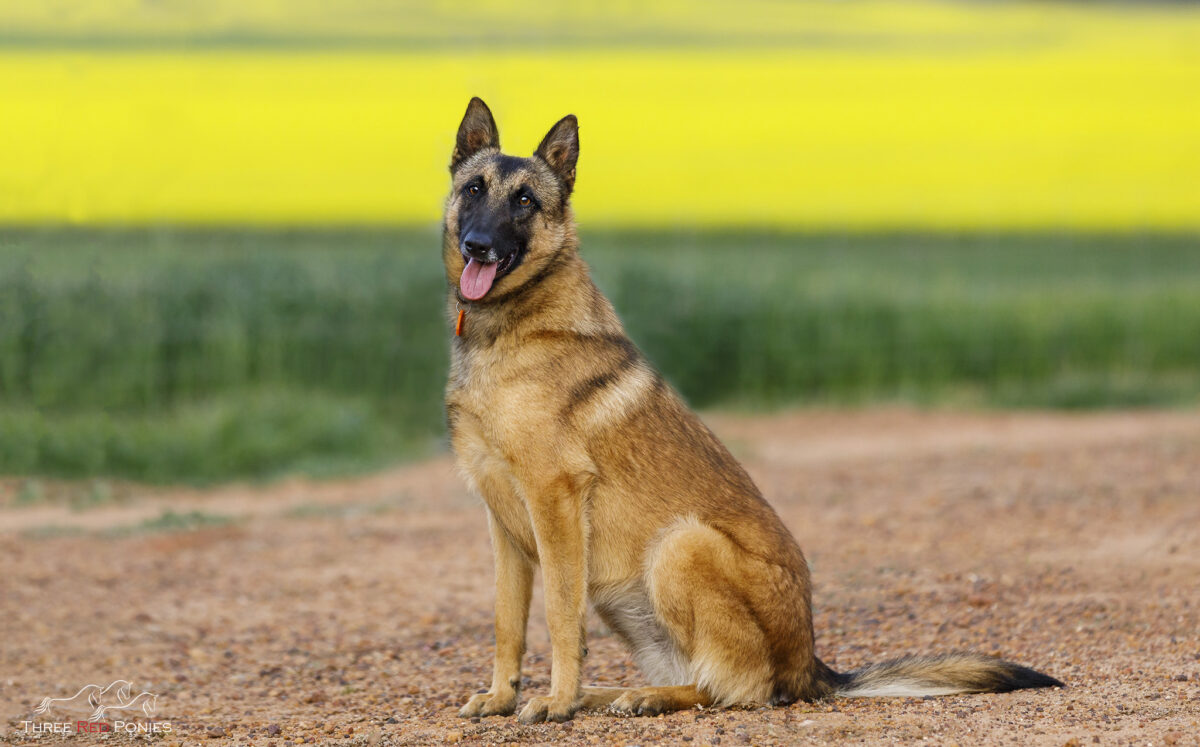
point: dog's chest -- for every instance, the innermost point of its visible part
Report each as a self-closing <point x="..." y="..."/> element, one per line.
<point x="489" y="416"/>
<point x="477" y="378"/>
<point x="490" y="475"/>
<point x="490" y="386"/>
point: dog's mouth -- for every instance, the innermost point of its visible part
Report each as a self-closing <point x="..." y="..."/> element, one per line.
<point x="478" y="277"/>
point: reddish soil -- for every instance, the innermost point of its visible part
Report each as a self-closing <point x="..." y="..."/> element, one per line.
<point x="358" y="612"/>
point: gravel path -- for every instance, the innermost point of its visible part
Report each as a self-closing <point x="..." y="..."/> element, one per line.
<point x="358" y="612"/>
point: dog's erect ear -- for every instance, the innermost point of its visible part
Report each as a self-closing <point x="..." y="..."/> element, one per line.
<point x="477" y="131"/>
<point x="560" y="149"/>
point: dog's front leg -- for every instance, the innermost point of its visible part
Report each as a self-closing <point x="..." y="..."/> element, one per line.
<point x="514" y="584"/>
<point x="559" y="527"/>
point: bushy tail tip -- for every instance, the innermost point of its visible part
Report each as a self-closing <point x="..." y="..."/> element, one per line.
<point x="946" y="674"/>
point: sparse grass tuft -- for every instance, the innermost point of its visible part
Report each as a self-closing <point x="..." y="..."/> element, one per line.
<point x="173" y="521"/>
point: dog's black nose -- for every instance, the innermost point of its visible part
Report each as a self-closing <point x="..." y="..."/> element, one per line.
<point x="478" y="245"/>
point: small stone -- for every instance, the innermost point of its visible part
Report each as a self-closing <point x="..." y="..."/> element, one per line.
<point x="273" y="729"/>
<point x="391" y="720"/>
<point x="216" y="732"/>
<point x="454" y="736"/>
<point x="1180" y="678"/>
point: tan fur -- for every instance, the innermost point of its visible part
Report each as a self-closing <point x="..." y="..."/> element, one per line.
<point x="592" y="467"/>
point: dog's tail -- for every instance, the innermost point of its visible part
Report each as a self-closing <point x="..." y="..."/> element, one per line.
<point x="946" y="674"/>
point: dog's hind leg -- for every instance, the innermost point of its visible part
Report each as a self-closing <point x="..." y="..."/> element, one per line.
<point x="651" y="701"/>
<point x="600" y="697"/>
<point x="707" y="593"/>
<point x="644" y="701"/>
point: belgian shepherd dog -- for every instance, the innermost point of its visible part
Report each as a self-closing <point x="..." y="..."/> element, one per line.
<point x="594" y="469"/>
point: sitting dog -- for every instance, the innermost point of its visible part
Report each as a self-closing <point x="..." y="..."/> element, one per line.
<point x="592" y="467"/>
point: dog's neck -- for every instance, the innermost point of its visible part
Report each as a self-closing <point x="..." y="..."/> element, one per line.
<point x="560" y="299"/>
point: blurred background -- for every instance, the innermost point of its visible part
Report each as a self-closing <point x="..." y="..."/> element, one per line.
<point x="219" y="240"/>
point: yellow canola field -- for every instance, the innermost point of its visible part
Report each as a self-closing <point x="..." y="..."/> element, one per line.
<point x="1099" y="132"/>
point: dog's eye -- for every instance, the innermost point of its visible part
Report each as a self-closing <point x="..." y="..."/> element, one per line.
<point x="524" y="201"/>
<point x="473" y="190"/>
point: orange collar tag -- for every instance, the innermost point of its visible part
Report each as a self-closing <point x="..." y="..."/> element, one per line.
<point x="459" y="323"/>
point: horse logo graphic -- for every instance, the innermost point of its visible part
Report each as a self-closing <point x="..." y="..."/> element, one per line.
<point x="116" y="692"/>
<point x="145" y="700"/>
<point x="89" y="696"/>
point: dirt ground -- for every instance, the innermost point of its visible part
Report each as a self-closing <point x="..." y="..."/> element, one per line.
<point x="358" y="612"/>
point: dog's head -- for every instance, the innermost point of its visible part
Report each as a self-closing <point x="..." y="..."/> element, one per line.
<point x="507" y="218"/>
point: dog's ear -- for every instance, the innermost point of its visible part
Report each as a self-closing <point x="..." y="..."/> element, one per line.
<point x="477" y="131"/>
<point x="560" y="149"/>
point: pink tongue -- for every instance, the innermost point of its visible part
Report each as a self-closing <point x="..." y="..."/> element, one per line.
<point x="477" y="279"/>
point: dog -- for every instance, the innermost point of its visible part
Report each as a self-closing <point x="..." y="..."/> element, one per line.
<point x="593" y="468"/>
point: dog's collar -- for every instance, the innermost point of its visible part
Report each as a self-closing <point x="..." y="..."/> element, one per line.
<point x="458" y="325"/>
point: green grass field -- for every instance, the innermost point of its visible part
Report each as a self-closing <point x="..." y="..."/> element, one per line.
<point x="207" y="355"/>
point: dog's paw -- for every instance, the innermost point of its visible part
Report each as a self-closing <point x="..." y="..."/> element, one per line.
<point x="639" y="703"/>
<point x="547" y="709"/>
<point x="490" y="704"/>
